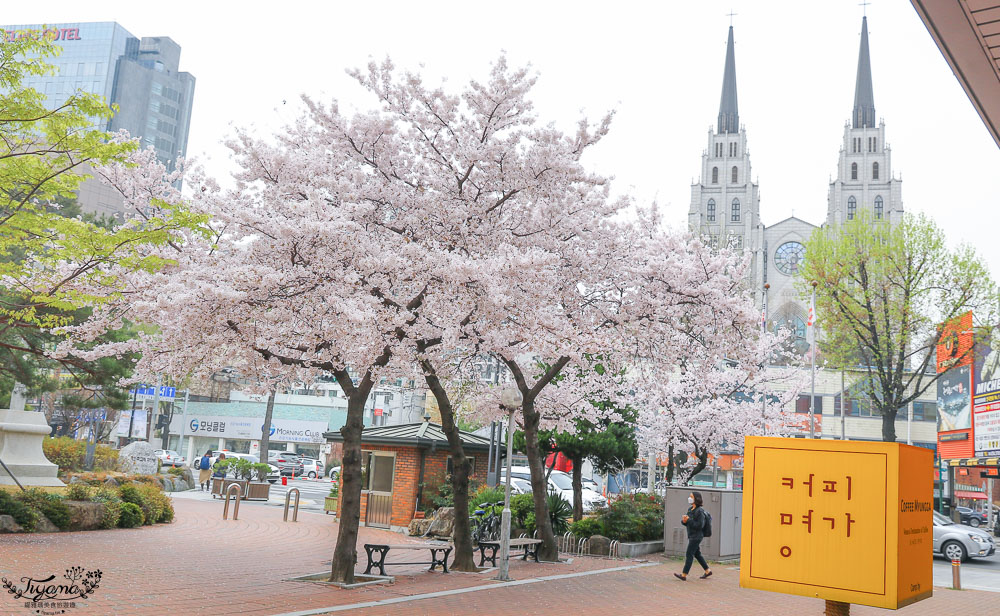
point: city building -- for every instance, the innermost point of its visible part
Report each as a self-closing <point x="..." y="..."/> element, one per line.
<point x="726" y="208"/>
<point x="725" y="201"/>
<point x="140" y="75"/>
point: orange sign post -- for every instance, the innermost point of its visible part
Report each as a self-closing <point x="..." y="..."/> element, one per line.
<point x="845" y="521"/>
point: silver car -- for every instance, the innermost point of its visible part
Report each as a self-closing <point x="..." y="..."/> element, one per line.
<point x="960" y="542"/>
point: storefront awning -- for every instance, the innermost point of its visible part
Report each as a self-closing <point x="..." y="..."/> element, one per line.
<point x="974" y="462"/>
<point x="973" y="495"/>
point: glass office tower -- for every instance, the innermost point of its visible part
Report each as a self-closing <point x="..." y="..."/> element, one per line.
<point x="141" y="76"/>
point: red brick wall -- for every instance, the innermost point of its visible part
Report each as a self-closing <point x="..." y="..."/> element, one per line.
<point x="406" y="475"/>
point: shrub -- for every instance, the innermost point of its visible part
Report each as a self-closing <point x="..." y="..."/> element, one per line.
<point x="260" y="471"/>
<point x="105" y="458"/>
<point x="65" y="452"/>
<point x="485" y="496"/>
<point x="22" y="513"/>
<point x="155" y="505"/>
<point x="78" y="491"/>
<point x="131" y="516"/>
<point x="521" y="506"/>
<point x="176" y="471"/>
<point x="633" y="518"/>
<point x="560" y="513"/>
<point x="112" y="511"/>
<point x="146" y="497"/>
<point x="444" y="496"/>
<point x="130" y="494"/>
<point x="587" y="527"/>
<point x="50" y="505"/>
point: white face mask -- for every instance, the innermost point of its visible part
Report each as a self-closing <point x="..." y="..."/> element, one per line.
<point x="690" y="500"/>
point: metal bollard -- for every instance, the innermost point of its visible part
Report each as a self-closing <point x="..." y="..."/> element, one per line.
<point x="236" y="508"/>
<point x="956" y="574"/>
<point x="295" y="513"/>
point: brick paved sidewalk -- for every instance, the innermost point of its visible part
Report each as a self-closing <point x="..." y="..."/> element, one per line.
<point x="203" y="565"/>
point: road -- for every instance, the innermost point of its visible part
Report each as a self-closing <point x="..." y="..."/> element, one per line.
<point x="311" y="494"/>
<point x="977" y="573"/>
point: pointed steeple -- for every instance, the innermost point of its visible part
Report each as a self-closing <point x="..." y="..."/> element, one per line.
<point x="864" y="98"/>
<point x="729" y="116"/>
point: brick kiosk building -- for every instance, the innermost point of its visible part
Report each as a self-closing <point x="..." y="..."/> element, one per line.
<point x="398" y="460"/>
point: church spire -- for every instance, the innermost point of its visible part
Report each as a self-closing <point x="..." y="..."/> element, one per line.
<point x="864" y="99"/>
<point x="729" y="116"/>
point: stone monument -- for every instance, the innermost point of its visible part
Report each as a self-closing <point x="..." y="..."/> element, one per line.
<point x="21" y="434"/>
<point x="137" y="458"/>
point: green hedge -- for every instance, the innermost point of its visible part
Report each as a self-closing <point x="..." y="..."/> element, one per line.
<point x="633" y="518"/>
<point x="131" y="516"/>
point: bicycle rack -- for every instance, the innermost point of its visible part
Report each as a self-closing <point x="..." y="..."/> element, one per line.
<point x="236" y="507"/>
<point x="583" y="546"/>
<point x="614" y="550"/>
<point x="566" y="542"/>
<point x="295" y="513"/>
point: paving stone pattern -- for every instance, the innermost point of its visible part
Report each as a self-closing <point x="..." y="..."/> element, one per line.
<point x="201" y="564"/>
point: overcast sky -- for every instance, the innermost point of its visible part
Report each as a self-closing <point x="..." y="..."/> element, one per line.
<point x="658" y="64"/>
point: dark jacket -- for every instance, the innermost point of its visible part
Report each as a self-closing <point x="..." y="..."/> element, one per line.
<point x="696" y="523"/>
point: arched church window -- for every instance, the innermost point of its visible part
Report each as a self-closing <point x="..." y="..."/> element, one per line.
<point x="715" y="175"/>
<point x="874" y="171"/>
<point x="852" y="208"/>
<point x="879" y="209"/>
<point x="854" y="171"/>
<point x="736" y="210"/>
<point x="735" y="174"/>
<point x="711" y="210"/>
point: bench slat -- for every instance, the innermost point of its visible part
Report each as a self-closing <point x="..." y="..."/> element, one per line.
<point x="409" y="546"/>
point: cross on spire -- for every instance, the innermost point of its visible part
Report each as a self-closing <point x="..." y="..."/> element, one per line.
<point x="864" y="8"/>
<point x="731" y="15"/>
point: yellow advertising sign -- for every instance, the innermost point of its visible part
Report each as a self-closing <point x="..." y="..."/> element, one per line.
<point x="841" y="520"/>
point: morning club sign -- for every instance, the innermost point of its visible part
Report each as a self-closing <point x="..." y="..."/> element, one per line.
<point x="236" y="427"/>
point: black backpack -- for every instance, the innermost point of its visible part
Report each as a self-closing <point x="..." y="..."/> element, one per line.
<point x="707" y="529"/>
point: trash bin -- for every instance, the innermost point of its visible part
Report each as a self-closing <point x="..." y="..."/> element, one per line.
<point x="726" y="508"/>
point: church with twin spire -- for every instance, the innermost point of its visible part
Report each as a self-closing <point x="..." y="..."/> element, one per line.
<point x="725" y="201"/>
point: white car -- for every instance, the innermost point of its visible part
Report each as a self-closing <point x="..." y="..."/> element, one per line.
<point x="334" y="472"/>
<point x="562" y="484"/>
<point x="169" y="457"/>
<point x="312" y="468"/>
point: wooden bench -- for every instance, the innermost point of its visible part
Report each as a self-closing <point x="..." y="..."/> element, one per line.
<point x="530" y="547"/>
<point x="378" y="551"/>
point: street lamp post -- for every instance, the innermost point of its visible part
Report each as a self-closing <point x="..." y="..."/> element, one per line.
<point x="510" y="400"/>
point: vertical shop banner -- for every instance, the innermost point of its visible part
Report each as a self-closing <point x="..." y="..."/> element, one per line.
<point x="955" y="365"/>
<point x="986" y="394"/>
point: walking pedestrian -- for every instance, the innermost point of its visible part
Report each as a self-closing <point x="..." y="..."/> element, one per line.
<point x="205" y="470"/>
<point x="698" y="523"/>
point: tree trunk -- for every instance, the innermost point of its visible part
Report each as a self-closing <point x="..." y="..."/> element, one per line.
<point x="888" y="425"/>
<point x="577" y="489"/>
<point x="670" y="465"/>
<point x="702" y="455"/>
<point x="345" y="554"/>
<point x="265" y="430"/>
<point x="464" y="559"/>
<point x="539" y="488"/>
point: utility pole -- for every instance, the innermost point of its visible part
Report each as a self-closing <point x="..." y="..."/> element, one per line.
<point x="812" y="364"/>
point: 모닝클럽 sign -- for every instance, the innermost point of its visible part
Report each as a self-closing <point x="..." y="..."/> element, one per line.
<point x="846" y="521"/>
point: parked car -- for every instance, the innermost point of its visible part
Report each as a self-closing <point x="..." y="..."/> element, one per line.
<point x="519" y="486"/>
<point x="591" y="484"/>
<point x="169" y="457"/>
<point x="973" y="518"/>
<point x="272" y="476"/>
<point x="334" y="472"/>
<point x="312" y="468"/>
<point x="960" y="542"/>
<point x="289" y="464"/>
<point x="562" y="484"/>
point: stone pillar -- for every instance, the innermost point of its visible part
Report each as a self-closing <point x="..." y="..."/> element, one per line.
<point x="191" y="449"/>
<point x="222" y="444"/>
<point x="290" y="447"/>
<point x="21" y="434"/>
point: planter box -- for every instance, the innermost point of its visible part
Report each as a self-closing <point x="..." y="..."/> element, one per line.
<point x="639" y="548"/>
<point x="330" y="504"/>
<point x="219" y="486"/>
<point x="258" y="491"/>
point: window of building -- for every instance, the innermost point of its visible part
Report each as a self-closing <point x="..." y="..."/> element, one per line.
<point x="735" y="174"/>
<point x="711" y="210"/>
<point x="854" y="171"/>
<point x="924" y="411"/>
<point x="736" y="210"/>
<point x="736" y="241"/>
<point x="802" y="404"/>
<point x="715" y="175"/>
<point x="718" y="150"/>
<point x="157" y="88"/>
<point x="852" y="208"/>
<point x="732" y="149"/>
<point x="878" y="208"/>
<point x="376" y="470"/>
<point x="874" y="171"/>
<point x="472" y="465"/>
